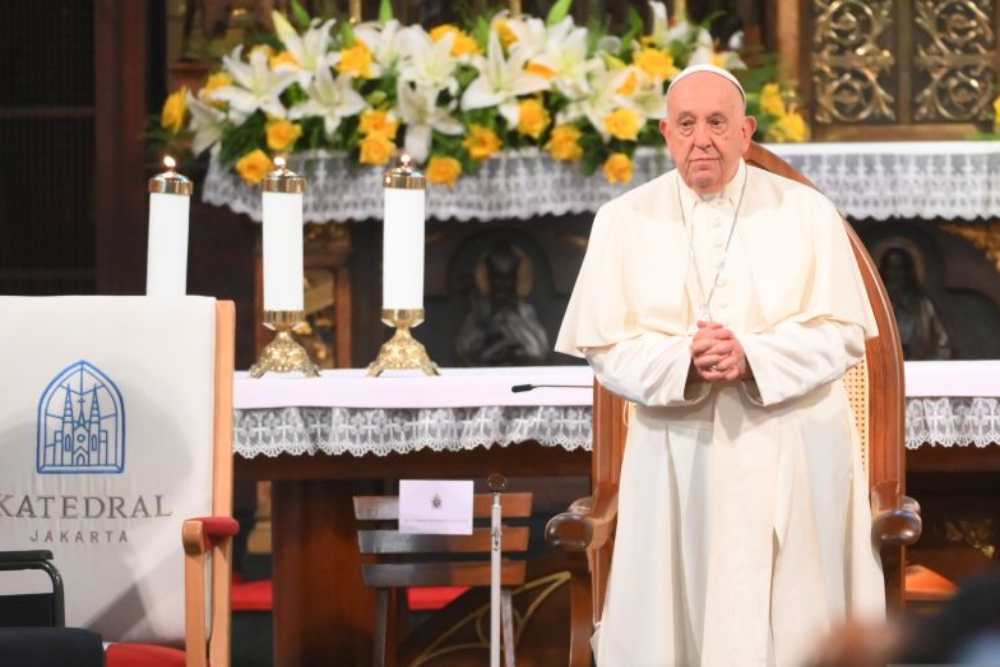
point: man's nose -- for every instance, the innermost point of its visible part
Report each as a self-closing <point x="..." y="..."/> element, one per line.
<point x="701" y="136"/>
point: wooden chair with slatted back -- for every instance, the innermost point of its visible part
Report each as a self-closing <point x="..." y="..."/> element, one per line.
<point x="876" y="392"/>
<point x="396" y="560"/>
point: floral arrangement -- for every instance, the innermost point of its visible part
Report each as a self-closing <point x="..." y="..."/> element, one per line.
<point x="455" y="95"/>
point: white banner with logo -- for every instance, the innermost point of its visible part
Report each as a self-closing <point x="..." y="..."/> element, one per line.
<point x="106" y="424"/>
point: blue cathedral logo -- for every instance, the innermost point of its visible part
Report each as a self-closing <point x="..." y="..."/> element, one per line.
<point x="81" y="423"/>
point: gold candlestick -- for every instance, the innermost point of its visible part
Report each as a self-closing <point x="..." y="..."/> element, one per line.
<point x="283" y="354"/>
<point x="515" y="8"/>
<point x="402" y="351"/>
<point x="354" y="10"/>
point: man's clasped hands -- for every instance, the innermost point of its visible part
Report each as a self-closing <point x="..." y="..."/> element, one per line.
<point x="717" y="355"/>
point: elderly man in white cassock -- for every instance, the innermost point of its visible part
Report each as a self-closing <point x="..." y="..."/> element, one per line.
<point x="725" y="302"/>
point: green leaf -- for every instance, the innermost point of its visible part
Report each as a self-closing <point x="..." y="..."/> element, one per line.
<point x="635" y="26"/>
<point x="237" y="141"/>
<point x="301" y="15"/>
<point x="558" y="12"/>
<point x="385" y="11"/>
<point x="347" y="38"/>
<point x="481" y="32"/>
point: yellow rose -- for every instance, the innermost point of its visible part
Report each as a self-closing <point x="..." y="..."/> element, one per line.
<point x="533" y="118"/>
<point x="282" y="135"/>
<point x="628" y="87"/>
<point x="283" y="58"/>
<point x="538" y="69"/>
<point x="719" y="59"/>
<point x="356" y="61"/>
<point x="564" y="144"/>
<point x="618" y="168"/>
<point x="770" y="100"/>
<point x="380" y="122"/>
<point x="482" y="142"/>
<point x="656" y="63"/>
<point x="996" y="114"/>
<point x="174" y="110"/>
<point x="442" y="170"/>
<point x="506" y="35"/>
<point x="376" y="149"/>
<point x="789" y="128"/>
<point x="623" y="124"/>
<point x="254" y="166"/>
<point x="463" y="44"/>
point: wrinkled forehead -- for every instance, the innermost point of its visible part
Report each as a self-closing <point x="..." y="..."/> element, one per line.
<point x="705" y="92"/>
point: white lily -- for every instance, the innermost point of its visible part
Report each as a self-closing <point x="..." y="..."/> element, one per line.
<point x="421" y="114"/>
<point x="330" y="99"/>
<point x="427" y="63"/>
<point x="310" y="49"/>
<point x="384" y="43"/>
<point x="663" y="33"/>
<point x="530" y="31"/>
<point x="500" y="82"/>
<point x="566" y="55"/>
<point x="646" y="95"/>
<point x="207" y="123"/>
<point x="254" y="87"/>
<point x="706" y="55"/>
<point x="604" y="98"/>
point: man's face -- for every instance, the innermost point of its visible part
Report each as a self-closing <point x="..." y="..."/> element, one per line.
<point x="706" y="130"/>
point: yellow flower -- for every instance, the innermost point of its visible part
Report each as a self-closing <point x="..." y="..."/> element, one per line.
<point x="618" y="168"/>
<point x="381" y="122"/>
<point x="564" y="144"/>
<point x="719" y="59"/>
<point x="254" y="166"/>
<point x="283" y="58"/>
<point x="770" y="100"/>
<point x="442" y="170"/>
<point x="282" y="135"/>
<point x="622" y="123"/>
<point x="791" y="127"/>
<point x="655" y="62"/>
<point x="533" y="118"/>
<point x="267" y="50"/>
<point x="628" y="87"/>
<point x="482" y="142"/>
<point x="507" y="36"/>
<point x="356" y="61"/>
<point x="463" y="44"/>
<point x="212" y="84"/>
<point x="996" y="114"/>
<point x="376" y="149"/>
<point x="539" y="69"/>
<point x="174" y="110"/>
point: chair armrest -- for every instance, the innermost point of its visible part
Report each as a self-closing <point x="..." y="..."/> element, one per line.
<point x="895" y="518"/>
<point x="207" y="532"/>
<point x="12" y="557"/>
<point x="588" y="524"/>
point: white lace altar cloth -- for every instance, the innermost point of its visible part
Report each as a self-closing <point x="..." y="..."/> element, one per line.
<point x="954" y="180"/>
<point x="949" y="403"/>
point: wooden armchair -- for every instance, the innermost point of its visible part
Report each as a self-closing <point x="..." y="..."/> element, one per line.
<point x="876" y="393"/>
<point x="394" y="560"/>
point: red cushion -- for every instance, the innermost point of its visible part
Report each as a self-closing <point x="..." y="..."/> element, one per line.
<point x="926" y="585"/>
<point x="218" y="528"/>
<point x="143" y="655"/>
<point x="432" y="598"/>
<point x="252" y="595"/>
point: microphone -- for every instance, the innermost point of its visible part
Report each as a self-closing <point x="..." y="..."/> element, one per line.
<point x="519" y="388"/>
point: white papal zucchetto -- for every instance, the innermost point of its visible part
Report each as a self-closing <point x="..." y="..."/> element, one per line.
<point x="712" y="69"/>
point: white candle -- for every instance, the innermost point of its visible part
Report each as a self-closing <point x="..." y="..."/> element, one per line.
<point x="282" y="242"/>
<point x="167" y="250"/>
<point x="403" y="249"/>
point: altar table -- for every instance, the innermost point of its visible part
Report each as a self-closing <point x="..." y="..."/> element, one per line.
<point x="318" y="439"/>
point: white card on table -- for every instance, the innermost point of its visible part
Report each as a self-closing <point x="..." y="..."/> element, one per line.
<point x="441" y="507"/>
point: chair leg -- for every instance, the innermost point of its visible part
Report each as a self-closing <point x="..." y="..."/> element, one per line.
<point x="581" y="622"/>
<point x="507" y="626"/>
<point x="381" y="627"/>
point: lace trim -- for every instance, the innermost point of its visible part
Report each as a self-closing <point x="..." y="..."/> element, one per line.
<point x="945" y="422"/>
<point x="950" y="180"/>
<point x="360" y="431"/>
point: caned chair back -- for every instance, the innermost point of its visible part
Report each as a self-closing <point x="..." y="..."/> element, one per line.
<point x="875" y="391"/>
<point x="116" y="426"/>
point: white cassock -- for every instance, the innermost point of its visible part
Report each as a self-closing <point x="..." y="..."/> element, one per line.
<point x="743" y="521"/>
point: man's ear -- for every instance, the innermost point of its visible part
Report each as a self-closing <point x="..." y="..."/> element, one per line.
<point x="750" y="126"/>
<point x="663" y="128"/>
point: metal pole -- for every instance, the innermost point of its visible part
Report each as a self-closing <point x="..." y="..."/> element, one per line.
<point x="497" y="484"/>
